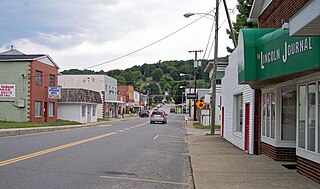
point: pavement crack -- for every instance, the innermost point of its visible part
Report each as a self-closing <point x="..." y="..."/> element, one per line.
<point x="113" y="173"/>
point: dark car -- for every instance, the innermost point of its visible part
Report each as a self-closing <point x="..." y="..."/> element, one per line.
<point x="172" y="110"/>
<point x="144" y="113"/>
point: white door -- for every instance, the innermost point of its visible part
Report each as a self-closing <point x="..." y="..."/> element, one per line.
<point x="89" y="115"/>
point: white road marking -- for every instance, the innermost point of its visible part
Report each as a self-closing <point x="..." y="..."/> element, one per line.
<point x="155" y="137"/>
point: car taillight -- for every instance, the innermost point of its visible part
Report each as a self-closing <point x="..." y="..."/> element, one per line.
<point x="152" y="115"/>
<point x="161" y="115"/>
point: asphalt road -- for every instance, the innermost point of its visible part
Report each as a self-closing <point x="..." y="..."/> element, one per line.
<point x="127" y="154"/>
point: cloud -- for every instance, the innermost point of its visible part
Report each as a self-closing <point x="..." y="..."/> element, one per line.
<point x="81" y="33"/>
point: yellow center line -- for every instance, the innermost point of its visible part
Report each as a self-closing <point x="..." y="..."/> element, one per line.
<point x="145" y="180"/>
<point x="35" y="154"/>
<point x="28" y="156"/>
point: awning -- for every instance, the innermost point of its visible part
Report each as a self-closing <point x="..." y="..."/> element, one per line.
<point x="114" y="101"/>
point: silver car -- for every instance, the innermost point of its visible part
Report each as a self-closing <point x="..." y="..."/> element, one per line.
<point x="158" y="116"/>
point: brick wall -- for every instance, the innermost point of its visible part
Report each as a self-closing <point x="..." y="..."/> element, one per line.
<point x="308" y="168"/>
<point x="278" y="12"/>
<point x="40" y="92"/>
<point x="278" y="153"/>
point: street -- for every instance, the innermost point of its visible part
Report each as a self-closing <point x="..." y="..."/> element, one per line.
<point x="124" y="154"/>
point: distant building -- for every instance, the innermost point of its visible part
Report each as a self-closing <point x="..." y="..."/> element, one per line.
<point x="107" y="86"/>
<point x="79" y="105"/>
<point x="28" y="87"/>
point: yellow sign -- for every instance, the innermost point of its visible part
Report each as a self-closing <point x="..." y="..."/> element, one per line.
<point x="201" y="104"/>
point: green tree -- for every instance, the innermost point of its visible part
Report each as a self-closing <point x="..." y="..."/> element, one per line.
<point x="244" y="7"/>
<point x="157" y="74"/>
<point x="121" y="81"/>
<point x="152" y="88"/>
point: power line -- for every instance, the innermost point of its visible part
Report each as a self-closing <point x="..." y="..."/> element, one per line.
<point x="144" y="47"/>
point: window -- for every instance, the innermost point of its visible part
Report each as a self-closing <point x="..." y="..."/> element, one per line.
<point x="318" y="117"/>
<point x="38" y="78"/>
<point x="83" y="113"/>
<point x="268" y="114"/>
<point x="218" y="82"/>
<point x="311" y="130"/>
<point x="94" y="109"/>
<point x="288" y="115"/>
<point x="51" y="109"/>
<point x="38" y="108"/>
<point x="238" y="113"/>
<point x="302" y="116"/>
<point x="52" y="80"/>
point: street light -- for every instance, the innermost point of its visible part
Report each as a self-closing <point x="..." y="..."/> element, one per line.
<point x="189" y="103"/>
<point x="213" y="78"/>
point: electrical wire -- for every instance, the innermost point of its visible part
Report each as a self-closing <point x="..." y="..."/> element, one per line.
<point x="144" y="47"/>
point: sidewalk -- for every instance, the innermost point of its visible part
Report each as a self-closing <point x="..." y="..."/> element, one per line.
<point x="218" y="164"/>
<point x="30" y="130"/>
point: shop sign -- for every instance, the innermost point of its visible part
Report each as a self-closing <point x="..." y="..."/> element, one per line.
<point x="271" y="54"/>
<point x="7" y="90"/>
<point x="54" y="92"/>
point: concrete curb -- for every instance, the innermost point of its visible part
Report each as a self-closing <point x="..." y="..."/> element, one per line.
<point x="24" y="131"/>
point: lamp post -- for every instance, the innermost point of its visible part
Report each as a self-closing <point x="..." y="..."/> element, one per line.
<point x="189" y="102"/>
<point x="213" y="77"/>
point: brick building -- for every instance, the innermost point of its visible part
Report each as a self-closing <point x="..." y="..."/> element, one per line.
<point x="26" y="81"/>
<point x="281" y="62"/>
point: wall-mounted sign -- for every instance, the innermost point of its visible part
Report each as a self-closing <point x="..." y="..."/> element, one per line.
<point x="54" y="92"/>
<point x="7" y="90"/>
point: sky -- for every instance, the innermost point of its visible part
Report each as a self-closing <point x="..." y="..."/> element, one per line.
<point x="81" y="34"/>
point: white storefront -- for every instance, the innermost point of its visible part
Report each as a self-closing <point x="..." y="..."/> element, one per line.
<point x="235" y="100"/>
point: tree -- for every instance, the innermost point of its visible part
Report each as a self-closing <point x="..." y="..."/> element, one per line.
<point x="157" y="74"/>
<point x="121" y="81"/>
<point x="152" y="88"/>
<point x="244" y="7"/>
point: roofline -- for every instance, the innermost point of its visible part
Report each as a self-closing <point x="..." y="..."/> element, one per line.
<point x="210" y="66"/>
<point x="255" y="11"/>
<point x="31" y="59"/>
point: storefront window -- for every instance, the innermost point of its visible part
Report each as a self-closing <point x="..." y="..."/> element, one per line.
<point x="264" y="108"/>
<point x="302" y="116"/>
<point x="51" y="109"/>
<point x="318" y="117"/>
<point x="268" y="114"/>
<point x="288" y="115"/>
<point x="273" y="113"/>
<point x="311" y="116"/>
<point x="83" y="110"/>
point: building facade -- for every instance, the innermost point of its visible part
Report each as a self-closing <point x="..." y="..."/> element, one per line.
<point x="281" y="61"/>
<point x="26" y="82"/>
<point x="104" y="84"/>
<point x="237" y="108"/>
<point x="79" y="105"/>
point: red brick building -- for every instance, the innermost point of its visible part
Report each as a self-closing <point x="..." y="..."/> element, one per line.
<point x="291" y="131"/>
<point x="33" y="77"/>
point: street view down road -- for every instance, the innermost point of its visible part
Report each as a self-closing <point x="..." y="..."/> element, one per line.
<point x="125" y="154"/>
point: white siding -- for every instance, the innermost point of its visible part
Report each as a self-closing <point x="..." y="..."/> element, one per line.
<point x="90" y="82"/>
<point x="230" y="88"/>
<point x="73" y="112"/>
<point x="70" y="112"/>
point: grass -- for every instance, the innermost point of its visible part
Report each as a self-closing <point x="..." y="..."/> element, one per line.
<point x="197" y="125"/>
<point x="11" y="124"/>
<point x="104" y="119"/>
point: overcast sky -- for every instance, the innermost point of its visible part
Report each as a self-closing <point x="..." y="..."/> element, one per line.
<point x="82" y="33"/>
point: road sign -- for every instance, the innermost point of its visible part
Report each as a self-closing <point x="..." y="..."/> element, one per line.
<point x="191" y="95"/>
<point x="201" y="104"/>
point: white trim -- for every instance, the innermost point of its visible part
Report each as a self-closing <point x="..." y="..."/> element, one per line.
<point x="302" y="18"/>
<point x="312" y="156"/>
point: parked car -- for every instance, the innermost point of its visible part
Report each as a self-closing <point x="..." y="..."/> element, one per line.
<point x="172" y="110"/>
<point x="158" y="116"/>
<point x="144" y="113"/>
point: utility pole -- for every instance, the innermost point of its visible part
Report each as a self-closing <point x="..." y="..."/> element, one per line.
<point x="195" y="82"/>
<point x="213" y="78"/>
<point x="230" y="25"/>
